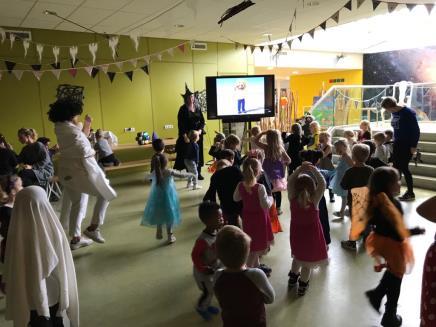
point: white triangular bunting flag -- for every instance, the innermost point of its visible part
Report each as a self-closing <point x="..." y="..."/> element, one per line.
<point x="3" y="35"/>
<point x="159" y="56"/>
<point x="104" y="68"/>
<point x="39" y="49"/>
<point x="171" y="52"/>
<point x="56" y="51"/>
<point x="56" y="73"/>
<point x="88" y="70"/>
<point x="119" y="65"/>
<point x="38" y="74"/>
<point x="18" y="74"/>
<point x="146" y="60"/>
<point x="392" y="6"/>
<point x="113" y="42"/>
<point x="134" y="62"/>
<point x="26" y="44"/>
<point x="12" y="39"/>
<point x="93" y="47"/>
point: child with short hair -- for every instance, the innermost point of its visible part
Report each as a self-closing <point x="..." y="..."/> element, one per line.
<point x="191" y="159"/>
<point x="163" y="202"/>
<point x="314" y="138"/>
<point x="389" y="142"/>
<point x="255" y="207"/>
<point x="276" y="159"/>
<point x="388" y="240"/>
<point x="204" y="257"/>
<point x="232" y="142"/>
<point x="381" y="154"/>
<point x="364" y="131"/>
<point x="296" y="142"/>
<point x="255" y="131"/>
<point x="218" y="145"/>
<point x="308" y="245"/>
<point x="241" y="292"/>
<point x="105" y="154"/>
<point x="371" y="145"/>
<point x="356" y="176"/>
<point x="345" y="162"/>
<point x="224" y="182"/>
<point x="326" y="163"/>
<point x="350" y="137"/>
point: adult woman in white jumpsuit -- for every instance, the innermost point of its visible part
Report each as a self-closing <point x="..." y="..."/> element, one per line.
<point x="79" y="171"/>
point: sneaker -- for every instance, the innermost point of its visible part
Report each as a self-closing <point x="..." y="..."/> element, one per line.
<point x="205" y="314"/>
<point x="94" y="235"/>
<point x="213" y="310"/>
<point x="171" y="239"/>
<point x="189" y="185"/>
<point x="159" y="234"/>
<point x="293" y="279"/>
<point x="332" y="200"/>
<point x="197" y="187"/>
<point x="83" y="242"/>
<point x="407" y="197"/>
<point x="349" y="245"/>
<point x="374" y="300"/>
<point x="302" y="287"/>
<point x="391" y="320"/>
<point x="200" y="178"/>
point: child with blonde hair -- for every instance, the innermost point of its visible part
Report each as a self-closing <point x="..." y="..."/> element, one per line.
<point x="364" y="131"/>
<point x="191" y="159"/>
<point x="314" y="138"/>
<point x="308" y="244"/>
<point x="276" y="159"/>
<point x="163" y="202"/>
<point x="350" y="137"/>
<point x="381" y="154"/>
<point x="255" y="131"/>
<point x="326" y="162"/>
<point x="255" y="206"/>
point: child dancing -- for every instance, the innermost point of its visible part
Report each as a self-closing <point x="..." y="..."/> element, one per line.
<point x="204" y="257"/>
<point x="163" y="202"/>
<point x="241" y="292"/>
<point x="255" y="206"/>
<point x="326" y="162"/>
<point x="191" y="159"/>
<point x="307" y="239"/>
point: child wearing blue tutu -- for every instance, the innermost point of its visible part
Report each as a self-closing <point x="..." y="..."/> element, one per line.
<point x="163" y="202"/>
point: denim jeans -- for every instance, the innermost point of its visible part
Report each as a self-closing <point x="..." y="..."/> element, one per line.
<point x="191" y="167"/>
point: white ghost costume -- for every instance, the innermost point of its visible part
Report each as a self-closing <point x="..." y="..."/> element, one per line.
<point x="39" y="267"/>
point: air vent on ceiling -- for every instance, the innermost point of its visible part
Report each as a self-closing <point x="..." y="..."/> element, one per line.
<point x="201" y="46"/>
<point x="19" y="34"/>
<point x="312" y="3"/>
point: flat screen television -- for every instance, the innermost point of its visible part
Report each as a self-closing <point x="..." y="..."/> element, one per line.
<point x="240" y="98"/>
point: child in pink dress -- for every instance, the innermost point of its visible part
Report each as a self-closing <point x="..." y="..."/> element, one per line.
<point x="256" y="204"/>
<point x="307" y="239"/>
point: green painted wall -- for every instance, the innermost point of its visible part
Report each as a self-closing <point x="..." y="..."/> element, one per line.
<point x="148" y="103"/>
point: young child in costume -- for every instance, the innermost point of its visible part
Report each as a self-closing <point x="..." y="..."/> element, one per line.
<point x="255" y="206"/>
<point x="307" y="239"/>
<point x="191" y="159"/>
<point x="428" y="305"/>
<point x="163" y="202"/>
<point x="388" y="242"/>
<point x="296" y="142"/>
<point x="344" y="163"/>
<point x="326" y="163"/>
<point x="364" y="131"/>
<point x="313" y="142"/>
<point x="276" y="159"/>
<point x="241" y="292"/>
<point x="204" y="257"/>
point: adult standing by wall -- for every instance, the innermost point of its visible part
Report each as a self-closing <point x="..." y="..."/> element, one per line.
<point x="79" y="172"/>
<point x="37" y="167"/>
<point x="406" y="137"/>
<point x="8" y="158"/>
<point x="189" y="118"/>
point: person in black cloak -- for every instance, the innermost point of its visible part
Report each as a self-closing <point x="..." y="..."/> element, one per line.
<point x="189" y="118"/>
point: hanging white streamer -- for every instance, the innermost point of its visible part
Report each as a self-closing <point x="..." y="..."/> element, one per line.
<point x="73" y="53"/>
<point x="93" y="47"/>
<point x="113" y="42"/>
<point x="3" y="34"/>
<point x="56" y="51"/>
<point x="12" y="39"/>
<point x="26" y="44"/>
<point x="135" y="39"/>
<point x="39" y="49"/>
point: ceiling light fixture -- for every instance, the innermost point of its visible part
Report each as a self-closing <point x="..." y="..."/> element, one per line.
<point x="179" y="25"/>
<point x="229" y="13"/>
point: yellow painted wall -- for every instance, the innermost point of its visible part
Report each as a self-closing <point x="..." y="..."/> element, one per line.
<point x="306" y="86"/>
<point x="148" y="103"/>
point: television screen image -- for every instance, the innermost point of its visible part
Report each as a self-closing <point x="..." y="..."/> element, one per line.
<point x="240" y="96"/>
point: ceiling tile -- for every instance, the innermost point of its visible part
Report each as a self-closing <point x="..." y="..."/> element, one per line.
<point x="65" y="26"/>
<point x="121" y="19"/>
<point x="63" y="10"/>
<point x="89" y="16"/>
<point x="14" y="8"/>
<point x="108" y="4"/>
<point x="147" y="7"/>
<point x="38" y="23"/>
<point x="10" y="21"/>
<point x="68" y="2"/>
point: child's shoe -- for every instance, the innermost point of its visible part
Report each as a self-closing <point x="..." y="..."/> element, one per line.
<point x="197" y="187"/>
<point x="293" y="279"/>
<point x="391" y="320"/>
<point x="267" y="270"/>
<point x="205" y="314"/>
<point x="188" y="185"/>
<point x="374" y="299"/>
<point x="302" y="287"/>
<point x="171" y="239"/>
<point x="349" y="245"/>
<point x="213" y="310"/>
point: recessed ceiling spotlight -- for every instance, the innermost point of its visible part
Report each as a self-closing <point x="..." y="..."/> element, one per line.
<point x="179" y="25"/>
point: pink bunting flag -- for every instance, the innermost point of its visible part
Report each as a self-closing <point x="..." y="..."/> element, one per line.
<point x="181" y="47"/>
<point x="429" y="7"/>
<point x="72" y="72"/>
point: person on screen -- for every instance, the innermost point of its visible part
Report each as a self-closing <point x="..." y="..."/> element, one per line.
<point x="240" y="87"/>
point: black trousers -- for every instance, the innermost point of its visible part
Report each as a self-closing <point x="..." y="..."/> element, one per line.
<point x="400" y="159"/>
<point x="390" y="285"/>
<point x="52" y="321"/>
<point x="278" y="198"/>
<point x="28" y="177"/>
<point x="110" y="159"/>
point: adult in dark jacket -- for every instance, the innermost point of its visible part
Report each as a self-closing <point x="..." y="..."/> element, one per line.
<point x="189" y="118"/>
<point x="8" y="158"/>
<point x="406" y="137"/>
